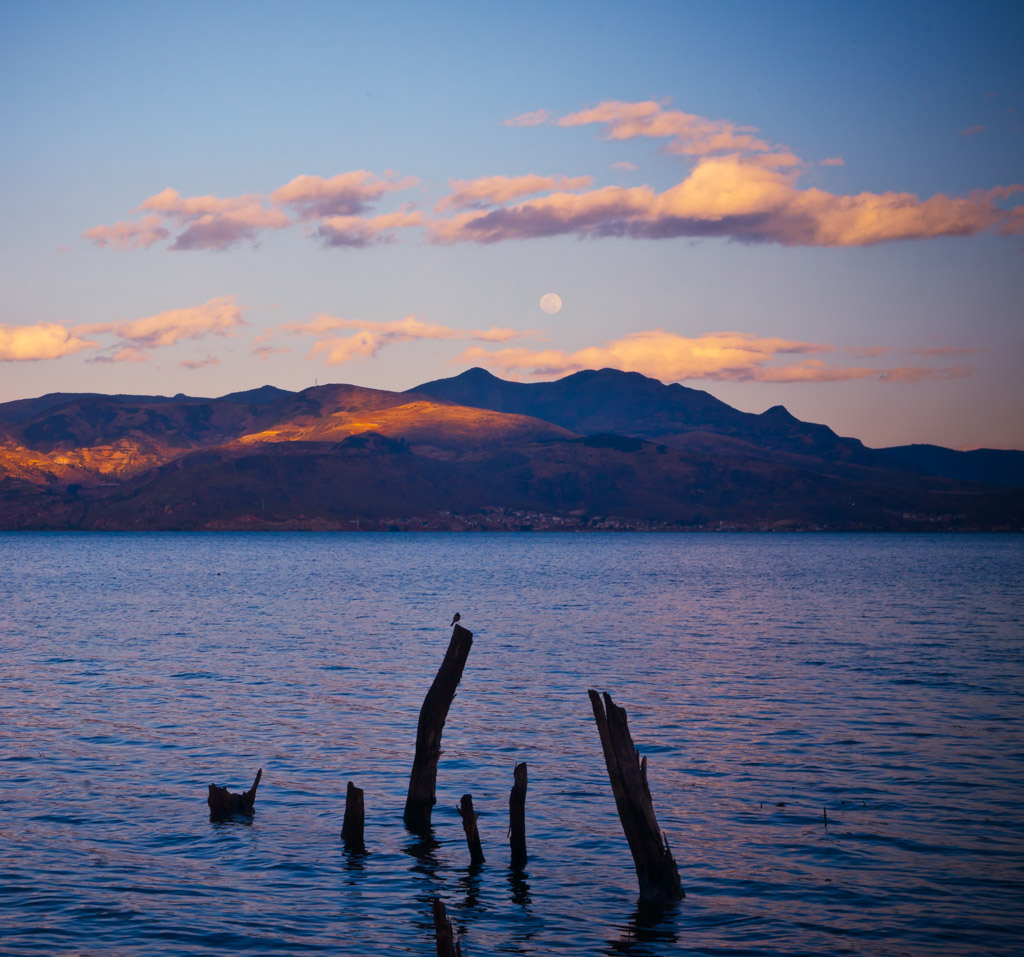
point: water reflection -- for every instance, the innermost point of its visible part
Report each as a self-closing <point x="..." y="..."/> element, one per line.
<point x="650" y="924"/>
<point x="423" y="850"/>
<point x="469" y="884"/>
<point x="520" y="888"/>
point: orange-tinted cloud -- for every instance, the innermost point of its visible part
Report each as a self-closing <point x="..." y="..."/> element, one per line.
<point x="128" y="234"/>
<point x="347" y="194"/>
<point x="625" y="166"/>
<point x="688" y="133"/>
<point x="357" y="231"/>
<point x="215" y="317"/>
<point x="495" y="190"/>
<point x="44" y="340"/>
<point x="664" y="355"/>
<point x="211" y="222"/>
<point x="742" y="199"/>
<point x="369" y="336"/>
<point x="832" y="161"/>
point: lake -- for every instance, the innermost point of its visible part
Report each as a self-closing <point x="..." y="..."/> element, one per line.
<point x="768" y="679"/>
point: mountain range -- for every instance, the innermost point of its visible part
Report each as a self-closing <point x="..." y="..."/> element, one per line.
<point x="596" y="449"/>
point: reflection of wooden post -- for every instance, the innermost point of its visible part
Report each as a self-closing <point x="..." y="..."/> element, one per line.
<point x="517" y="817"/>
<point x="423" y="780"/>
<point x="655" y="868"/>
<point x="352" y="825"/>
<point x="225" y="804"/>
<point x="476" y="852"/>
<point x="444" y="933"/>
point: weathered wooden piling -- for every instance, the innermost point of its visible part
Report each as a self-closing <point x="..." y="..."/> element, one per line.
<point x="423" y="780"/>
<point x="468" y="815"/>
<point x="656" y="870"/>
<point x="444" y="933"/>
<point x="517" y="816"/>
<point x="225" y="804"/>
<point x="352" y="824"/>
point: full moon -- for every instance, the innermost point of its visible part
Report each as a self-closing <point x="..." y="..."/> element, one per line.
<point x="551" y="302"/>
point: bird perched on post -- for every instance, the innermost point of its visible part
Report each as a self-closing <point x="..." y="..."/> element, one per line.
<point x="457" y="617"/>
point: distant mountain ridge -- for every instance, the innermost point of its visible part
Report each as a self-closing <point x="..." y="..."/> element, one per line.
<point x="598" y="449"/>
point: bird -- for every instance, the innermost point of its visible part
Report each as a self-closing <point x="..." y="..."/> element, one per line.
<point x="457" y="617"/>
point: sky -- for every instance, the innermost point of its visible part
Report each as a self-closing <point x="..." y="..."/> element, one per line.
<point x="819" y="205"/>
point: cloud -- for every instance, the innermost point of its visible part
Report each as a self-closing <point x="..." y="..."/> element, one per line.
<point x="215" y="317"/>
<point x="358" y="232"/>
<point x="669" y="357"/>
<point x="625" y="165"/>
<point x="44" y="340"/>
<point x="216" y="223"/>
<point x="211" y="222"/>
<point x="129" y="235"/>
<point x="369" y="337"/>
<point x="199" y="363"/>
<point x="688" y="133"/>
<point x="265" y="352"/>
<point x="347" y="194"/>
<point x="950" y="351"/>
<point x="493" y="190"/>
<point x="536" y="118"/>
<point x="832" y="161"/>
<point x="742" y="199"/>
<point x="972" y="130"/>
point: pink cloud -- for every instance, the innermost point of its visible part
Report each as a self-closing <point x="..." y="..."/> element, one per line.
<point x="213" y="223"/>
<point x="216" y="317"/>
<point x="126" y="353"/>
<point x="44" y="340"/>
<point x="265" y="352"/>
<point x="738" y="198"/>
<point x="129" y="235"/>
<point x="347" y="194"/>
<point x="358" y="232"/>
<point x="199" y="363"/>
<point x="492" y="190"/>
<point x="832" y="161"/>
<point x="536" y="118"/>
<point x="718" y="356"/>
<point x="688" y="133"/>
<point x="369" y="337"/>
<point x="625" y="166"/>
<point x="972" y="130"/>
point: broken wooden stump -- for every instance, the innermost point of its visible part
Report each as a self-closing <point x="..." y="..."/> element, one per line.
<point x="423" y="779"/>
<point x="352" y="824"/>
<point x="444" y="933"/>
<point x="656" y="869"/>
<point x="517" y="816"/>
<point x="224" y="804"/>
<point x="468" y="815"/>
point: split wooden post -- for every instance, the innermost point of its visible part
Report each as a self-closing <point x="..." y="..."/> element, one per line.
<point x="444" y="933"/>
<point x="468" y="815"/>
<point x="656" y="869"/>
<point x="423" y="780"/>
<point x="517" y="817"/>
<point x="352" y="825"/>
<point x="225" y="804"/>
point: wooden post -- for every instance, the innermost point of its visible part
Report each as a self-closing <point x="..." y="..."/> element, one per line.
<point x="468" y="815"/>
<point x="517" y="817"/>
<point x="656" y="870"/>
<point x="352" y="825"/>
<point x="423" y="780"/>
<point x="444" y="933"/>
<point x="225" y="804"/>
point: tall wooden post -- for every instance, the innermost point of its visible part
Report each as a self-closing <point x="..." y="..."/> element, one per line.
<point x="422" y="796"/>
<point x="444" y="933"/>
<point x="656" y="869"/>
<point x="468" y="815"/>
<point x="517" y="817"/>
<point x="352" y="825"/>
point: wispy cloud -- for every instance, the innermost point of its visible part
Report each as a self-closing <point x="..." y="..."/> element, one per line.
<point x="735" y="356"/>
<point x="216" y="317"/>
<point x="347" y="194"/>
<point x="495" y="190"/>
<point x="140" y="234"/>
<point x="625" y="166"/>
<point x="199" y="363"/>
<point x="536" y="118"/>
<point x="972" y="130"/>
<point x="43" y="340"/>
<point x="369" y="337"/>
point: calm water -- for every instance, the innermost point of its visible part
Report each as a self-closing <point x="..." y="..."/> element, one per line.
<point x="766" y="677"/>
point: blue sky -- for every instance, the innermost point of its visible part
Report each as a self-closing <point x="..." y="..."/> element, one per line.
<point x="881" y="295"/>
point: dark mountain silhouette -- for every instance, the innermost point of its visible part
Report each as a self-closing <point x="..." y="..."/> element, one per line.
<point x="595" y="450"/>
<point x="990" y="466"/>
